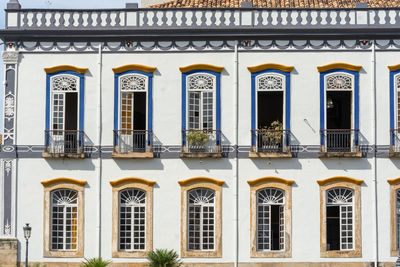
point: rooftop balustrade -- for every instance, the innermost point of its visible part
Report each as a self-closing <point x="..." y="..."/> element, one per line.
<point x="199" y="18"/>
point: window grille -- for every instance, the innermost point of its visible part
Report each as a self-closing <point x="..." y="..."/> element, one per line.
<point x="270" y="82"/>
<point x="343" y="198"/>
<point x="133" y="82"/>
<point x="398" y="219"/>
<point x="64" y="220"/>
<point x="266" y="198"/>
<point x="132" y="219"/>
<point x="64" y="83"/>
<point x="201" y="219"/>
<point x="201" y="101"/>
<point x="339" y="81"/>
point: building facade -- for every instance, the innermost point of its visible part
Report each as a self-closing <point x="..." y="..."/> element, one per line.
<point x="235" y="136"/>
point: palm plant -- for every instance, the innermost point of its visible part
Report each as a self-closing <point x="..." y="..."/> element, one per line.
<point x="37" y="265"/>
<point x="164" y="258"/>
<point x="95" y="262"/>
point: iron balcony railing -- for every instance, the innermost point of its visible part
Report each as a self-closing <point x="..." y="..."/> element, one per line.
<point x="208" y="141"/>
<point x="339" y="140"/>
<point x="265" y="140"/>
<point x="127" y="141"/>
<point x="64" y="141"/>
<point x="394" y="140"/>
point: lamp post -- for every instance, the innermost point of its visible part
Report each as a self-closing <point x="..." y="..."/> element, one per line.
<point x="27" y="235"/>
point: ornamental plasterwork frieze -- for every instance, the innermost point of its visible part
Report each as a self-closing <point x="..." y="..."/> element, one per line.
<point x="210" y="45"/>
<point x="10" y="57"/>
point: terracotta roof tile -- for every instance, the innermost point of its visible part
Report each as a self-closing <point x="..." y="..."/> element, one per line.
<point x="276" y="3"/>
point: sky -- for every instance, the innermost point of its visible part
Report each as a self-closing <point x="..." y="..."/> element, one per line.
<point x="70" y="4"/>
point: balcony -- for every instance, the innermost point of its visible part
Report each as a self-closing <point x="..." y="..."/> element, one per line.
<point x="130" y="144"/>
<point x="270" y="144"/>
<point x="64" y="144"/>
<point x="394" y="151"/>
<point x="342" y="143"/>
<point x="201" y="144"/>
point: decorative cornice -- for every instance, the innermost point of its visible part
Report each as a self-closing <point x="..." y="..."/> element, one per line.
<point x="65" y="68"/>
<point x="270" y="66"/>
<point x="134" y="67"/>
<point x="131" y="180"/>
<point x="394" y="67"/>
<point x="199" y="180"/>
<point x="343" y="66"/>
<point x="270" y="179"/>
<point x="201" y="67"/>
<point x="340" y="179"/>
<point x="63" y="180"/>
<point x="393" y="181"/>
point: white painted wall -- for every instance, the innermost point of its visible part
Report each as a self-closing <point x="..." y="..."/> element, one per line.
<point x="167" y="126"/>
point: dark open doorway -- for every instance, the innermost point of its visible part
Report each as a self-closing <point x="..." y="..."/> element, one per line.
<point x="269" y="108"/>
<point x="71" y="134"/>
<point x="332" y="228"/>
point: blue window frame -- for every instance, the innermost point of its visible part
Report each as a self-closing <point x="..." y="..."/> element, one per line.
<point x="149" y="97"/>
<point x="284" y="74"/>
<point x="394" y="96"/>
<point x="351" y="71"/>
<point x="217" y="108"/>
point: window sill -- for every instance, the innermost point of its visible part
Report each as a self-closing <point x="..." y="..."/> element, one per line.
<point x="198" y="155"/>
<point x="201" y="254"/>
<point x="340" y="154"/>
<point x="63" y="155"/>
<point x="341" y="254"/>
<point x="130" y="254"/>
<point x="256" y="155"/>
<point x="63" y="254"/>
<point x="132" y="155"/>
<point x="393" y="154"/>
<point x="270" y="254"/>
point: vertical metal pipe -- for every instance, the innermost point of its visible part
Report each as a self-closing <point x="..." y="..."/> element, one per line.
<point x="235" y="164"/>
<point x="375" y="193"/>
<point x="99" y="132"/>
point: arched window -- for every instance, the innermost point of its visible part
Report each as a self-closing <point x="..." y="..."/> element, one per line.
<point x="270" y="219"/>
<point x="132" y="219"/>
<point x="64" y="220"/>
<point x="339" y="219"/>
<point x="64" y="111"/>
<point x="133" y="111"/>
<point x="201" y="219"/>
<point x="201" y="101"/>
<point x="339" y="109"/>
<point x="270" y="110"/>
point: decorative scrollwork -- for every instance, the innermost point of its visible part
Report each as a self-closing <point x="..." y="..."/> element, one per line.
<point x="339" y="82"/>
<point x="64" y="197"/>
<point x="269" y="196"/>
<point x="9" y="106"/>
<point x="201" y="82"/>
<point x="201" y="196"/>
<point x="64" y="83"/>
<point x="133" y="83"/>
<point x="270" y="82"/>
<point x="132" y="197"/>
<point x="339" y="196"/>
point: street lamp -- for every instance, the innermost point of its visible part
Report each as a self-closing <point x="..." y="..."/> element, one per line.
<point x="27" y="235"/>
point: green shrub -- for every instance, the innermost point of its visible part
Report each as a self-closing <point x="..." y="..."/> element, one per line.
<point x="95" y="262"/>
<point x="164" y="258"/>
<point x="197" y="138"/>
<point x="36" y="265"/>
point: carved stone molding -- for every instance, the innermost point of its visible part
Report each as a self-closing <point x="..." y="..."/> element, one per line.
<point x="10" y="57"/>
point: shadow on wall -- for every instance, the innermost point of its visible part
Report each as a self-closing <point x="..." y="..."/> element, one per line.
<point x="347" y="164"/>
<point x="277" y="164"/>
<point x="208" y="164"/>
<point x="139" y="164"/>
<point x="71" y="164"/>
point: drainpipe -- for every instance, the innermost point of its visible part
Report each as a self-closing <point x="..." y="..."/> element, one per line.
<point x="235" y="164"/>
<point x="99" y="165"/>
<point x="375" y="179"/>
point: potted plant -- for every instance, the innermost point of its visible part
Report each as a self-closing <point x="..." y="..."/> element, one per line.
<point x="197" y="140"/>
<point x="272" y="136"/>
<point x="163" y="258"/>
